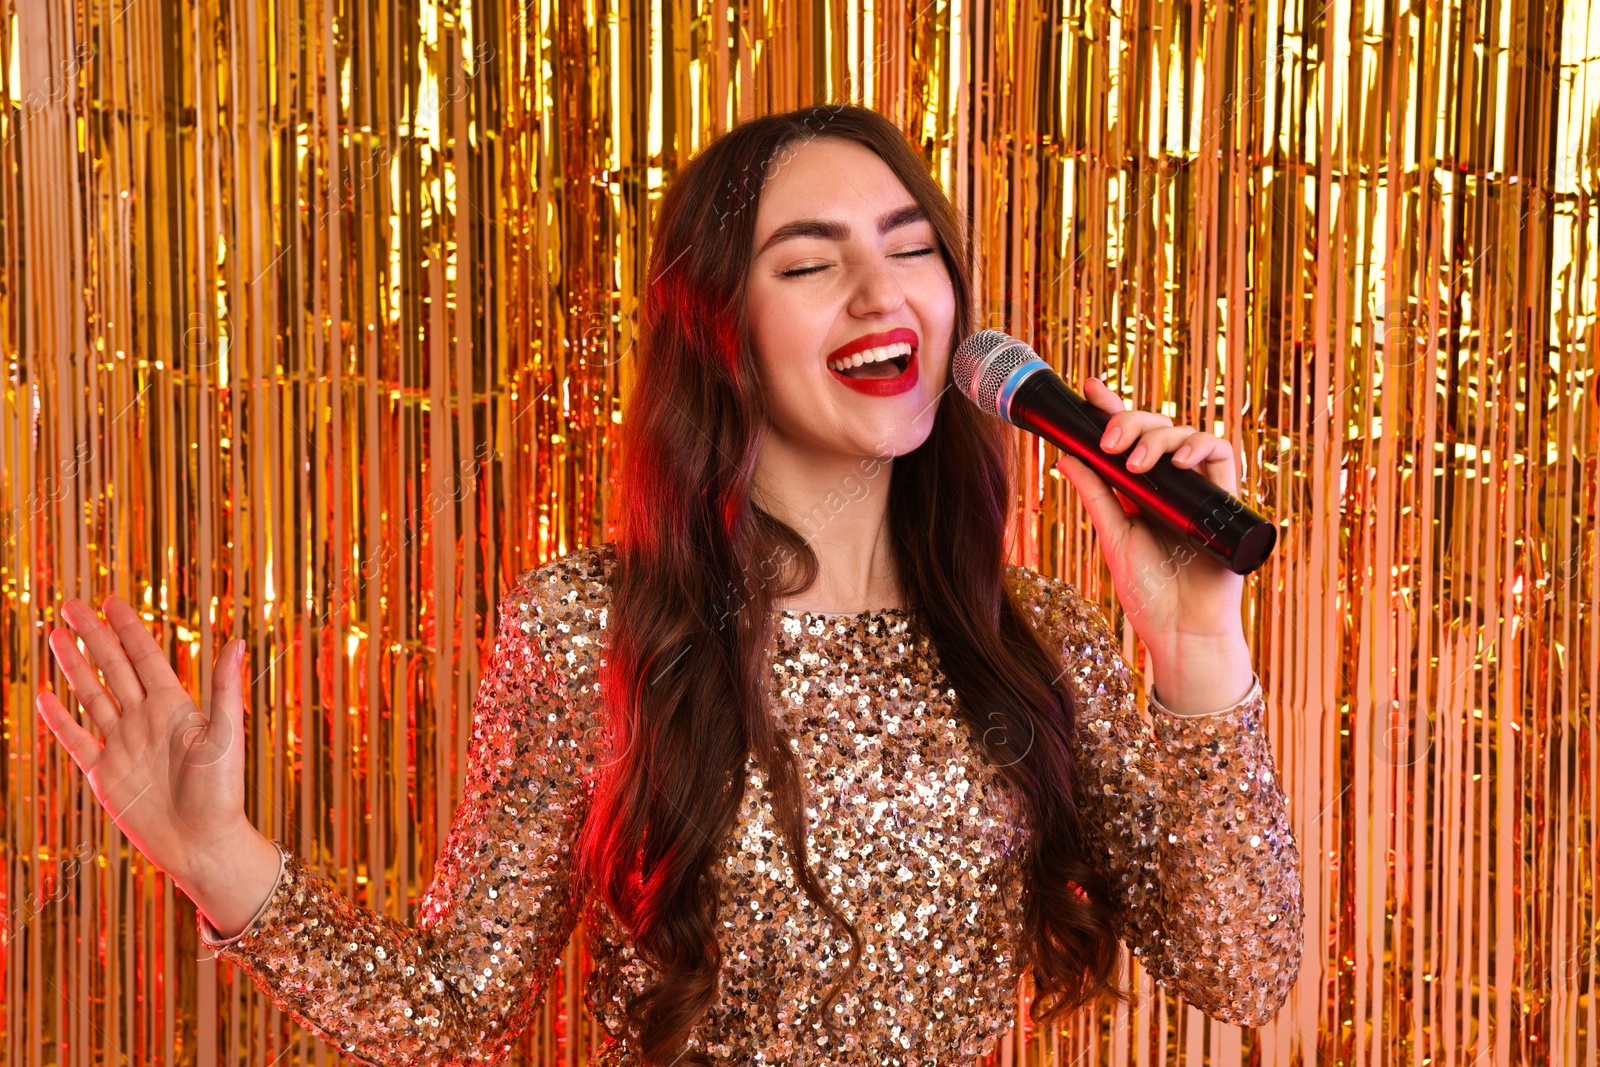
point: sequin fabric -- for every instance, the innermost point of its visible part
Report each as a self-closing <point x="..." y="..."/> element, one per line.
<point x="912" y="833"/>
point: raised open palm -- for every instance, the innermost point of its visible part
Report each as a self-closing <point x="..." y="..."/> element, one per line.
<point x="170" y="777"/>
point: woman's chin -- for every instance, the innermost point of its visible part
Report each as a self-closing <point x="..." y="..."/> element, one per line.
<point x="893" y="440"/>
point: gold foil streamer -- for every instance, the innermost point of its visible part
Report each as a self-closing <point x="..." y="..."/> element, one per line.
<point x="316" y="320"/>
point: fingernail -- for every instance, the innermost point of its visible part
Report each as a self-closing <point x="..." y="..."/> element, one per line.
<point x="1181" y="455"/>
<point x="1109" y="441"/>
<point x="1138" y="455"/>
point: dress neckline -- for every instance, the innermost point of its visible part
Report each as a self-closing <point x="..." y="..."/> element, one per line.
<point x="871" y="613"/>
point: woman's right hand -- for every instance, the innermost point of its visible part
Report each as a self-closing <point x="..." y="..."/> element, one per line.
<point x="170" y="777"/>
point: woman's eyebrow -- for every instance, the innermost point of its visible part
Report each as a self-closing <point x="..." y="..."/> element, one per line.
<point x="829" y="230"/>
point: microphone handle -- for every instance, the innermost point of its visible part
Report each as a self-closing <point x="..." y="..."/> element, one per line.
<point x="1205" y="515"/>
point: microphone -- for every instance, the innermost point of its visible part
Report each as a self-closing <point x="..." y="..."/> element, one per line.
<point x="1006" y="378"/>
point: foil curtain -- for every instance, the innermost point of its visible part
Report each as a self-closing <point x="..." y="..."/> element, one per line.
<point x="317" y="316"/>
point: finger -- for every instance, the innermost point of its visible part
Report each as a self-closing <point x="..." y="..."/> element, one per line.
<point x="84" y="679"/>
<point x="1157" y="442"/>
<point x="1125" y="428"/>
<point x="1201" y="448"/>
<point x="106" y="651"/>
<point x="79" y="743"/>
<point x="147" y="657"/>
<point x="1102" y="395"/>
<point x="213" y="739"/>
<point x="1191" y="449"/>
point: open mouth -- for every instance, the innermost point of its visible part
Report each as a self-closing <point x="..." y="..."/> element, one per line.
<point x="881" y="371"/>
<point x="875" y="364"/>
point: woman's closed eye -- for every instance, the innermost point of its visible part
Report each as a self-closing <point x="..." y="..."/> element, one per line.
<point x="798" y="272"/>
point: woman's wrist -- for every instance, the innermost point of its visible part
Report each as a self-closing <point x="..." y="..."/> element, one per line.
<point x="231" y="890"/>
<point x="1202" y="677"/>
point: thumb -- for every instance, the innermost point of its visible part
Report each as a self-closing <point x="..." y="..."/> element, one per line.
<point x="225" y="725"/>
<point x="227" y="685"/>
<point x="1109" y="513"/>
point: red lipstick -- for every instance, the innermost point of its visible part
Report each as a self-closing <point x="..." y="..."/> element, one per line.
<point x="901" y="382"/>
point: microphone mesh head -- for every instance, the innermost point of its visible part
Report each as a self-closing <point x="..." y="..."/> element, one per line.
<point x="983" y="362"/>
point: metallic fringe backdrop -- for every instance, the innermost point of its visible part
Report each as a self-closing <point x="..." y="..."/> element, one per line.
<point x="316" y="318"/>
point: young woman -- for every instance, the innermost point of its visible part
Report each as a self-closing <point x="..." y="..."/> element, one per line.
<point x="819" y="771"/>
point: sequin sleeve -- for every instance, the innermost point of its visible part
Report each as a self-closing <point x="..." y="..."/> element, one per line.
<point x="1191" y="826"/>
<point x="459" y="986"/>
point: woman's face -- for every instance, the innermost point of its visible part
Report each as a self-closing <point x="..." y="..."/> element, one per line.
<point x="844" y="268"/>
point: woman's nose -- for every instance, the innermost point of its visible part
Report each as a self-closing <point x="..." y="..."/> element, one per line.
<point x="877" y="289"/>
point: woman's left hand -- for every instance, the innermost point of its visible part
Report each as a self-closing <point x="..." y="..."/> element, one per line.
<point x="1178" y="598"/>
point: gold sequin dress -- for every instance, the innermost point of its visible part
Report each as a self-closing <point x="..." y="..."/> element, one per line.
<point x="910" y="830"/>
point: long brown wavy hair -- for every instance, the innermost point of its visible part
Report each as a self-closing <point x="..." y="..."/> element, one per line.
<point x="699" y="568"/>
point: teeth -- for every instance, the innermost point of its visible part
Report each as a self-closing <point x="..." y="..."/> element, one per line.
<point x="871" y="355"/>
